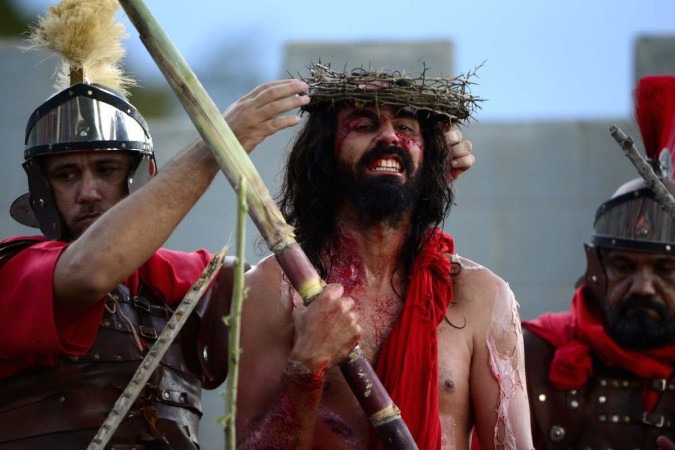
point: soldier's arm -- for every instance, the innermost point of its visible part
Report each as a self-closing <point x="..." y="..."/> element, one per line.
<point x="123" y="238"/>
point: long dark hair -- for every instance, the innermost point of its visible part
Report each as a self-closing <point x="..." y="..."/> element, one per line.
<point x="308" y="197"/>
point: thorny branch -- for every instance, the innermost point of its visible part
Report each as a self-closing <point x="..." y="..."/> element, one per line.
<point x="444" y="96"/>
<point x="644" y="169"/>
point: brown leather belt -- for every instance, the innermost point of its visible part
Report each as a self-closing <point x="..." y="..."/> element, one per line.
<point x="67" y="412"/>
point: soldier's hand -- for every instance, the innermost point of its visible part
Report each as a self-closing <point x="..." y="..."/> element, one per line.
<point x="260" y="113"/>
<point x="461" y="158"/>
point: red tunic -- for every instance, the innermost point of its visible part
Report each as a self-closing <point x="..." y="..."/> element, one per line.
<point x="33" y="335"/>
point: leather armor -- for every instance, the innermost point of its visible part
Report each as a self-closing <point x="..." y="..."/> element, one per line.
<point x="605" y="413"/>
<point x="63" y="407"/>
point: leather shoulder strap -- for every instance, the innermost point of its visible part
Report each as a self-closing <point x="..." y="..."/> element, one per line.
<point x="552" y="419"/>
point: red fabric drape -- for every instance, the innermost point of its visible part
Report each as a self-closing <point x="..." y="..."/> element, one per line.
<point x="579" y="334"/>
<point x="408" y="362"/>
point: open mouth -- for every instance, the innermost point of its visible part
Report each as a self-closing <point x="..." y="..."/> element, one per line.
<point x="386" y="165"/>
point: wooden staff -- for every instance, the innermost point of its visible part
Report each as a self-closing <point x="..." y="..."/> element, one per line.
<point x="236" y="165"/>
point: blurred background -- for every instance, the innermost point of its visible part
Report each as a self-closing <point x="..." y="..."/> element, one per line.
<point x="555" y="76"/>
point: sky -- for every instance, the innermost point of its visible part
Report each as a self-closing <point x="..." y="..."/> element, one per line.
<point x="544" y="59"/>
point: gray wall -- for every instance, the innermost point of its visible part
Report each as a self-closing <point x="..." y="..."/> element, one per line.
<point x="405" y="56"/>
<point x="25" y="83"/>
<point x="654" y="55"/>
<point x="524" y="211"/>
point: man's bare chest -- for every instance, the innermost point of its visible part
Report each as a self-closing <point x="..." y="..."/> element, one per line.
<point x="377" y="311"/>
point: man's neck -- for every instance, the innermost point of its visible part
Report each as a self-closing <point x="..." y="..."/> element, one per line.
<point x="369" y="253"/>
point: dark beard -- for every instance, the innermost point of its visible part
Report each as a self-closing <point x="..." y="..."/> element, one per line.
<point x="380" y="197"/>
<point x="631" y="328"/>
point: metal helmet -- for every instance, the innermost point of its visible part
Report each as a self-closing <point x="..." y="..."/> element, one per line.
<point x="631" y="220"/>
<point x="82" y="117"/>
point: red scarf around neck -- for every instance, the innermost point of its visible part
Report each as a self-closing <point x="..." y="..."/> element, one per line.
<point x="579" y="334"/>
<point x="408" y="361"/>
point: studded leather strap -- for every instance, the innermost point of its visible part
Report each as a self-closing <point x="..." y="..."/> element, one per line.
<point x="605" y="413"/>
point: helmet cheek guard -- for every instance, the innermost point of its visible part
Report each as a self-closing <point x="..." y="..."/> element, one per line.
<point x="143" y="168"/>
<point x="42" y="202"/>
<point x="82" y="117"/>
<point x="595" y="278"/>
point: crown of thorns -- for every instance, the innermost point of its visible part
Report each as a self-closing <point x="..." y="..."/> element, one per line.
<point x="449" y="98"/>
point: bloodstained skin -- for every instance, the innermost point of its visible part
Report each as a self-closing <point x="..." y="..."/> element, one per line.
<point x="376" y="312"/>
<point x="346" y="266"/>
<point x="405" y="141"/>
<point x="288" y="414"/>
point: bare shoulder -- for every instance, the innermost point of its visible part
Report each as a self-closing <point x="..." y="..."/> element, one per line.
<point x="268" y="294"/>
<point x="477" y="286"/>
<point x="484" y="299"/>
<point x="266" y="271"/>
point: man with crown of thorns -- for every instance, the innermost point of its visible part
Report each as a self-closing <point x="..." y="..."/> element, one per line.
<point x="366" y="188"/>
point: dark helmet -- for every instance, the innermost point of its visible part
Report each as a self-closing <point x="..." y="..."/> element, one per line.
<point x="82" y="117"/>
<point x="631" y="220"/>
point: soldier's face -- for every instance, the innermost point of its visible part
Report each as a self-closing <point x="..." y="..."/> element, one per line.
<point x="86" y="184"/>
<point x="640" y="302"/>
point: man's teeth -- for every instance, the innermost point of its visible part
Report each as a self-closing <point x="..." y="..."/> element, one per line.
<point x="388" y="165"/>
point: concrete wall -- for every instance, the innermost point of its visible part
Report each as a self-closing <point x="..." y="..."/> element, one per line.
<point x="25" y="83"/>
<point x="405" y="56"/>
<point x="524" y="211"/>
<point x="654" y="55"/>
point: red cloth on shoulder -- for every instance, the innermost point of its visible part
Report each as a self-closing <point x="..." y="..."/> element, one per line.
<point x="33" y="333"/>
<point x="408" y="362"/>
<point x="579" y="334"/>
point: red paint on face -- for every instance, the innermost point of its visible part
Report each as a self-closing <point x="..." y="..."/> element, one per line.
<point x="364" y="129"/>
<point x="407" y="142"/>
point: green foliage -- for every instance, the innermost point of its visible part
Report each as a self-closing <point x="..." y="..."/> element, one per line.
<point x="12" y="23"/>
<point x="153" y="101"/>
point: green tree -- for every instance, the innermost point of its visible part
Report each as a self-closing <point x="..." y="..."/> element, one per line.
<point x="12" y="22"/>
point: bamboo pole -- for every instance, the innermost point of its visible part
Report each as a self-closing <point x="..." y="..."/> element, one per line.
<point x="644" y="169"/>
<point x="233" y="321"/>
<point x="156" y="353"/>
<point x="236" y="165"/>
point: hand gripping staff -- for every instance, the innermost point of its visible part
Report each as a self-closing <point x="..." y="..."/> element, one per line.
<point x="236" y="165"/>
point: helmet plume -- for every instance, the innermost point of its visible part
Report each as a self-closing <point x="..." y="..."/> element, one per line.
<point x="88" y="38"/>
<point x="655" y="110"/>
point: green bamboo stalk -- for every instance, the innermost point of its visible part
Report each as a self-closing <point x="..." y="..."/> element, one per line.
<point x="233" y="321"/>
<point x="156" y="353"/>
